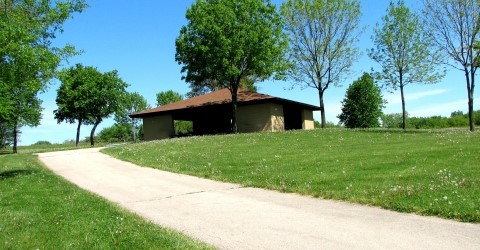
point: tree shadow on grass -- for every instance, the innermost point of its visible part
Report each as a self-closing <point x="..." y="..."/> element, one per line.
<point x="14" y="173"/>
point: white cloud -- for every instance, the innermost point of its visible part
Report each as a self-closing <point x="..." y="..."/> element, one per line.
<point x="395" y="97"/>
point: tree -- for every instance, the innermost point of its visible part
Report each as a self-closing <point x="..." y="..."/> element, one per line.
<point x="74" y="94"/>
<point x="454" y="27"/>
<point x="167" y="97"/>
<point x="362" y="105"/>
<point x="105" y="99"/>
<point x="88" y="96"/>
<point x="225" y="41"/>
<point x="130" y="103"/>
<point x="403" y="51"/>
<point x="27" y="58"/>
<point x="322" y="37"/>
<point x="23" y="105"/>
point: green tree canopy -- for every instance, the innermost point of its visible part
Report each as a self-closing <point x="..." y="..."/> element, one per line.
<point x="225" y="41"/>
<point x="6" y="136"/>
<point x="247" y="82"/>
<point x="476" y="61"/>
<point x="88" y="96"/>
<point x="322" y="35"/>
<point x="404" y="51"/>
<point x="73" y="96"/>
<point x="27" y="58"/>
<point x="106" y="99"/>
<point x="362" y="105"/>
<point x="167" y="97"/>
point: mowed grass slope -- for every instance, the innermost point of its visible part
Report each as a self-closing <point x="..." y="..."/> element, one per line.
<point x="39" y="210"/>
<point x="425" y="172"/>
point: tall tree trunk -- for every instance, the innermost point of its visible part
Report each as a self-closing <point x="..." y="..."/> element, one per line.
<point x="77" y="138"/>
<point x="322" y="108"/>
<point x="15" y="138"/>
<point x="234" y="90"/>
<point x="404" y="113"/>
<point x="402" y="94"/>
<point x="92" y="133"/>
<point x="470" y="88"/>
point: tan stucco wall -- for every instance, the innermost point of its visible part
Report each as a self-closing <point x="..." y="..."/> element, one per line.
<point x="158" y="127"/>
<point x="260" y="118"/>
<point x="277" y="117"/>
<point x="307" y="119"/>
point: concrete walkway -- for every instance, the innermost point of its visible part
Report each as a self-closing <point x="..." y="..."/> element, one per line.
<point x="233" y="217"/>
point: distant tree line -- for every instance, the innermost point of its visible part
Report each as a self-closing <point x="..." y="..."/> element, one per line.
<point x="456" y="120"/>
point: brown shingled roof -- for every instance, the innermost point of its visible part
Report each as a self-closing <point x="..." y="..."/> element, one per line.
<point x="219" y="97"/>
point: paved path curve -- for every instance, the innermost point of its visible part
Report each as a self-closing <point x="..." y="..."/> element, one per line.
<point x="233" y="217"/>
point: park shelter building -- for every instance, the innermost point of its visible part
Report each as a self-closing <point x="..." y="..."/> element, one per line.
<point x="211" y="114"/>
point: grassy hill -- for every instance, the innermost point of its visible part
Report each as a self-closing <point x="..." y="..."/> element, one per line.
<point x="433" y="172"/>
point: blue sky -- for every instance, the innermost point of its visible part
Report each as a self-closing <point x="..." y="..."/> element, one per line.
<point x="137" y="38"/>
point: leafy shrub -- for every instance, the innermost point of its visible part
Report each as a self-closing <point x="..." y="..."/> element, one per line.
<point x="116" y="133"/>
<point x="476" y="117"/>
<point x="391" y="120"/>
<point x="457" y="119"/>
<point x="42" y="143"/>
<point x="427" y="122"/>
<point x="317" y="124"/>
<point x="69" y="142"/>
<point x="183" y="128"/>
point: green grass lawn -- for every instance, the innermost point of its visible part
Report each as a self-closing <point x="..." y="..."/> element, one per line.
<point x="425" y="172"/>
<point x="47" y="148"/>
<point x="39" y="210"/>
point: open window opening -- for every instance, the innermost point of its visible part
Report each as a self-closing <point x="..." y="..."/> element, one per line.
<point x="183" y="128"/>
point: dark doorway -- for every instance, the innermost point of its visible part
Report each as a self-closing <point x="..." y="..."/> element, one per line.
<point x="292" y="117"/>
